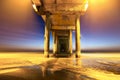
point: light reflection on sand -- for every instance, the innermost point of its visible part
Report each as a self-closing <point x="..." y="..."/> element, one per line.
<point x="88" y="67"/>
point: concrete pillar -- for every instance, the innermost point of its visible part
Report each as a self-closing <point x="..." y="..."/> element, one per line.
<point x="54" y="43"/>
<point x="70" y="42"/>
<point x="77" y="26"/>
<point x="47" y="35"/>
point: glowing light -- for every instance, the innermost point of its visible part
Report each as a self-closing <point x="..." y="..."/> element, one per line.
<point x="35" y="8"/>
<point x="98" y="1"/>
<point x="86" y="6"/>
<point x="100" y="75"/>
<point x="8" y="70"/>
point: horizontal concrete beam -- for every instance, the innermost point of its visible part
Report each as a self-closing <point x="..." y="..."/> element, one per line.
<point x="63" y="28"/>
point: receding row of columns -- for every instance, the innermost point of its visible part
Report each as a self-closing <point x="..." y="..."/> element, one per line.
<point x="47" y="37"/>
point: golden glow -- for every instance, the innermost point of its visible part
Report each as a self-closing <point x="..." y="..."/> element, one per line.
<point x="98" y="1"/>
<point x="98" y="9"/>
<point x="86" y="5"/>
<point x="8" y="70"/>
<point x="102" y="75"/>
<point x="16" y="59"/>
<point x="35" y="8"/>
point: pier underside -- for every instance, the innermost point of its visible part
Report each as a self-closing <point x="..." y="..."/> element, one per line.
<point x="61" y="18"/>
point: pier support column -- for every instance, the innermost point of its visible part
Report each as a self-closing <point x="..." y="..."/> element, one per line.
<point x="54" y="43"/>
<point x="77" y="26"/>
<point x="70" y="42"/>
<point x="47" y="35"/>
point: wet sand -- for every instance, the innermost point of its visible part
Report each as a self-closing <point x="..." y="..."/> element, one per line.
<point x="34" y="66"/>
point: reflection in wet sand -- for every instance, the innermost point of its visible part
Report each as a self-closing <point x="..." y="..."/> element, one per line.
<point x="64" y="69"/>
<point x="36" y="67"/>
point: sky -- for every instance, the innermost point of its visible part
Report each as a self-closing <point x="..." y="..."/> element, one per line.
<point x="22" y="29"/>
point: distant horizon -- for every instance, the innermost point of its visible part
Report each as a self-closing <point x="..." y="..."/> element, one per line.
<point x="42" y="50"/>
